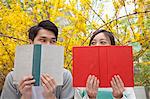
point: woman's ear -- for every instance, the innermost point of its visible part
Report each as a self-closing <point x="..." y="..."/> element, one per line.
<point x="31" y="42"/>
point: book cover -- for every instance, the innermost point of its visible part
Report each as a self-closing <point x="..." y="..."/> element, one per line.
<point x="104" y="62"/>
<point x="39" y="59"/>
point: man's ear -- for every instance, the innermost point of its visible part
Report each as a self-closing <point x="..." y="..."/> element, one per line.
<point x="31" y="42"/>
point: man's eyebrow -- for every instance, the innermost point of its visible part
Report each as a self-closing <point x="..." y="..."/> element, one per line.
<point x="43" y="37"/>
<point x="53" y="38"/>
<point x="47" y="38"/>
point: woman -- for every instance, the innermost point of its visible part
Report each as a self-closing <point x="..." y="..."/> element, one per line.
<point x="104" y="38"/>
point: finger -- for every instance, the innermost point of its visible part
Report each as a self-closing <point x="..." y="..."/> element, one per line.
<point x="91" y="81"/>
<point x="88" y="82"/>
<point x="27" y="83"/>
<point x="48" y="83"/>
<point x="26" y="78"/>
<point x="120" y="80"/>
<point x="44" y="81"/>
<point x="117" y="82"/>
<point x="51" y="81"/>
<point x="95" y="83"/>
<point x="28" y="86"/>
<point x="88" y="79"/>
<point x="45" y="87"/>
<point x="120" y="83"/>
<point x="113" y="84"/>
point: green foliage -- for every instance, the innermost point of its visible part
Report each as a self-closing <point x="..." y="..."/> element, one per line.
<point x="142" y="77"/>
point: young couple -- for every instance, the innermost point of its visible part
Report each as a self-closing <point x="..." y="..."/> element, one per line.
<point x="46" y="32"/>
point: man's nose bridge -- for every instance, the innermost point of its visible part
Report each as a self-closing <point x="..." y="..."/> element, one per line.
<point x="48" y="43"/>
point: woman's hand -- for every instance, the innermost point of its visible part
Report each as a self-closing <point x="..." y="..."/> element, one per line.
<point x="49" y="85"/>
<point x="117" y="86"/>
<point x="92" y="86"/>
<point x="25" y="87"/>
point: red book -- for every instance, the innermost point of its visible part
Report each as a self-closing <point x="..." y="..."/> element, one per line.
<point x="104" y="62"/>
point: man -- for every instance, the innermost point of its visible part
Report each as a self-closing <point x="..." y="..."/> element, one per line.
<point x="44" y="33"/>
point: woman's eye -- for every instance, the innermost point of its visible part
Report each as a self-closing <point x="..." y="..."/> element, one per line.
<point x="103" y="42"/>
<point x="93" y="43"/>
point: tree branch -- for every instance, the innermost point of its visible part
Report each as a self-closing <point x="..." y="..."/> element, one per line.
<point x="98" y="15"/>
<point x="7" y="52"/>
<point x="128" y="19"/>
<point x="135" y="13"/>
<point x="11" y="37"/>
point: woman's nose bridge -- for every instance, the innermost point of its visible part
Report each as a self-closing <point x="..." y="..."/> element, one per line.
<point x="98" y="44"/>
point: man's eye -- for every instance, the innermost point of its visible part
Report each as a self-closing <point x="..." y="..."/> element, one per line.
<point x="53" y="41"/>
<point x="42" y="40"/>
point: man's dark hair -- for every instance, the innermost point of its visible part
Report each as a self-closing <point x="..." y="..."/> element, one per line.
<point x="46" y="24"/>
<point x="107" y="33"/>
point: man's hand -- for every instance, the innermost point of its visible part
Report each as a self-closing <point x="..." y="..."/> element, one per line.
<point x="25" y="87"/>
<point x="49" y="85"/>
<point x="117" y="86"/>
<point x="92" y="86"/>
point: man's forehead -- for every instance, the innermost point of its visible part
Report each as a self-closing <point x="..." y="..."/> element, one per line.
<point x="46" y="35"/>
<point x="45" y="32"/>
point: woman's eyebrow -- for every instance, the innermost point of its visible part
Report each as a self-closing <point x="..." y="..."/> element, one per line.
<point x="103" y="39"/>
<point x="99" y="39"/>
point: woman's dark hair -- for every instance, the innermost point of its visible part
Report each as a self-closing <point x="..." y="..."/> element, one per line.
<point x="107" y="33"/>
<point x="46" y="24"/>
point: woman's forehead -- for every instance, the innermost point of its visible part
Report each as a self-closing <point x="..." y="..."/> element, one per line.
<point x="101" y="36"/>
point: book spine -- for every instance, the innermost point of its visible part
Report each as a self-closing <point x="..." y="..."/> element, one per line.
<point x="36" y="64"/>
